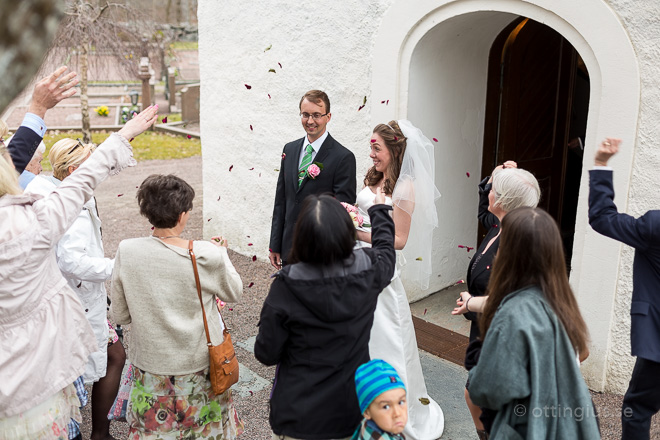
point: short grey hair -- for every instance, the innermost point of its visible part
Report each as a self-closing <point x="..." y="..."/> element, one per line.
<point x="515" y="188"/>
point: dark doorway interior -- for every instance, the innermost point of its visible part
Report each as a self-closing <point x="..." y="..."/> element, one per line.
<point x="536" y="114"/>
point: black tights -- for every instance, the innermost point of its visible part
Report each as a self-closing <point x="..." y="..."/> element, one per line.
<point x="105" y="390"/>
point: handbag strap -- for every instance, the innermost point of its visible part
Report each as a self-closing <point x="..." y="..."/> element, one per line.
<point x="199" y="293"/>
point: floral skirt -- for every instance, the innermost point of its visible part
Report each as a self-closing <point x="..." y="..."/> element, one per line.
<point x="46" y="421"/>
<point x="180" y="407"/>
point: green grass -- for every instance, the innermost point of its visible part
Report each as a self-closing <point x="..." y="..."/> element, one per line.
<point x="147" y="146"/>
<point x="184" y="45"/>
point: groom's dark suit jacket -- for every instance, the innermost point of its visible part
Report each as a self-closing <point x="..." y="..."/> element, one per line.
<point x="643" y="234"/>
<point x="337" y="178"/>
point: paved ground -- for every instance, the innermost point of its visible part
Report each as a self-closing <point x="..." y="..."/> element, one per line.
<point x="445" y="381"/>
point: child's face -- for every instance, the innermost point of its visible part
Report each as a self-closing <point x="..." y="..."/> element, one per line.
<point x="389" y="411"/>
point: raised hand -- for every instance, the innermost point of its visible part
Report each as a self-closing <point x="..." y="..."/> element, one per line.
<point x="380" y="197"/>
<point x="51" y="90"/>
<point x="608" y="148"/>
<point x="140" y="123"/>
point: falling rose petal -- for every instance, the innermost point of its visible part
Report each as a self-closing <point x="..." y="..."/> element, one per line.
<point x="469" y="248"/>
<point x="461" y="246"/>
<point x="467" y="174"/>
<point x="231" y="167"/>
<point x="269" y="96"/>
<point x="435" y="140"/>
<point x="251" y="129"/>
<point x="387" y="102"/>
<point x="165" y="120"/>
<point x="189" y="137"/>
<point x="360" y="107"/>
<point x="208" y="220"/>
<point x="251" y="169"/>
<point x="152" y="228"/>
<point x="270" y="250"/>
<point x="131" y="140"/>
<point x="219" y="198"/>
<point x="418" y="258"/>
<point x="251" y="284"/>
<point x="254" y="258"/>
<point x="249" y="244"/>
<point x="279" y="64"/>
<point x="272" y="71"/>
<point x="119" y="195"/>
<point x="247" y="86"/>
<point x="382" y="102"/>
<point x="268" y="48"/>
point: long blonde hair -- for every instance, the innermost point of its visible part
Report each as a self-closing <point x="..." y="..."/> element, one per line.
<point x="8" y="175"/>
<point x="66" y="153"/>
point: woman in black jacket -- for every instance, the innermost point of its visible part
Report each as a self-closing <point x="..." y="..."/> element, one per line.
<point x="316" y="320"/>
<point x="507" y="189"/>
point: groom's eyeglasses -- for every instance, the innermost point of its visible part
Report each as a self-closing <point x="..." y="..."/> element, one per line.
<point x="315" y="116"/>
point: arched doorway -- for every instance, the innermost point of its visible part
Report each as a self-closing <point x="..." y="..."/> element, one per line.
<point x="537" y="103"/>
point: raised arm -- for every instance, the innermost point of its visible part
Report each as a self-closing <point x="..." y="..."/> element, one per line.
<point x="47" y="94"/>
<point x="63" y="205"/>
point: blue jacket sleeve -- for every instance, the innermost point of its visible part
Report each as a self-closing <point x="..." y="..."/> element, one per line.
<point x="605" y="219"/>
<point x="22" y="147"/>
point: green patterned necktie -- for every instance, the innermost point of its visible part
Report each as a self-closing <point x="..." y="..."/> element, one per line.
<point x="307" y="159"/>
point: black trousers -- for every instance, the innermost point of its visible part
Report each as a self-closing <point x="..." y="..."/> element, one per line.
<point x="642" y="400"/>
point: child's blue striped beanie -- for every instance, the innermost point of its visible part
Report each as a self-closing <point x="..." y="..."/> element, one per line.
<point x="374" y="378"/>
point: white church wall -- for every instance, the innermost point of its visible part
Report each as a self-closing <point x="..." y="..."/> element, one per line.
<point x="324" y="46"/>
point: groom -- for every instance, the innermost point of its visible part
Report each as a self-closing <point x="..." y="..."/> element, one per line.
<point x="299" y="176"/>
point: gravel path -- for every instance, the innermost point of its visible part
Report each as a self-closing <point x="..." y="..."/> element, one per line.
<point x="121" y="220"/>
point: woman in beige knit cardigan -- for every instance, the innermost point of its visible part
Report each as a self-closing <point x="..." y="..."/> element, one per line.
<point x="153" y="289"/>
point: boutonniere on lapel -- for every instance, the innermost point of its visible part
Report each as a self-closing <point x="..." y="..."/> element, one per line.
<point x="314" y="170"/>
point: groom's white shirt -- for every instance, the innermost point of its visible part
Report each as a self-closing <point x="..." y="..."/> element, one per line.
<point x="316" y="145"/>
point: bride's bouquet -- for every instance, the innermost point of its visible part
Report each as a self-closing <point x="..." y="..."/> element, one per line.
<point x="358" y="220"/>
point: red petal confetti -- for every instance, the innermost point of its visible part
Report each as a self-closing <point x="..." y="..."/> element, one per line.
<point x="396" y="138"/>
<point x="435" y="140"/>
<point x="283" y="156"/>
<point x="208" y="220"/>
<point x="373" y="140"/>
<point x="219" y="198"/>
<point x="231" y="310"/>
<point x="425" y="311"/>
<point x="231" y="167"/>
<point x="279" y="64"/>
<point x="119" y="195"/>
<point x="467" y="174"/>
<point x="269" y="96"/>
<point x="461" y="246"/>
<point x="254" y="258"/>
<point x="152" y="228"/>
<point x="131" y="140"/>
<point x="249" y="244"/>
<point x="247" y="236"/>
<point x="382" y="102"/>
<point x="165" y="120"/>
<point x="252" y="129"/>
<point x="270" y="250"/>
<point x="251" y="393"/>
<point x="251" y="169"/>
<point x="247" y="86"/>
<point x="469" y="248"/>
<point x="360" y="107"/>
<point x="387" y="102"/>
<point x="251" y="284"/>
<point x="189" y="137"/>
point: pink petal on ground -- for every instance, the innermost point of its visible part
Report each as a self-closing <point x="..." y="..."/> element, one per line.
<point x="251" y="393"/>
<point x="165" y="120"/>
<point x="231" y="167"/>
<point x="251" y="284"/>
<point x="247" y="86"/>
<point x="231" y="309"/>
<point x="254" y="258"/>
<point x="435" y="140"/>
<point x="425" y="311"/>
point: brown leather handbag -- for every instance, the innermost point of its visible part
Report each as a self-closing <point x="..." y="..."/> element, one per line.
<point x="223" y="365"/>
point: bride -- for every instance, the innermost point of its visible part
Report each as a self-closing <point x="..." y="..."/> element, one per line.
<point x="403" y="166"/>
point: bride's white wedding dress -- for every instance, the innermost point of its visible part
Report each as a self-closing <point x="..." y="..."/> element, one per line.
<point x="393" y="340"/>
